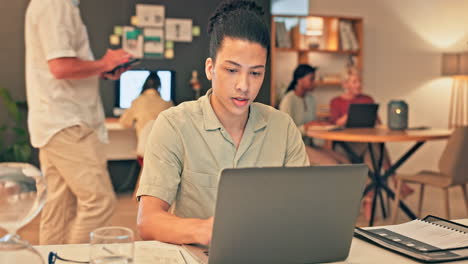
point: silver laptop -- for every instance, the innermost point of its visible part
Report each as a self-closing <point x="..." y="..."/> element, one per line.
<point x="284" y="215"/>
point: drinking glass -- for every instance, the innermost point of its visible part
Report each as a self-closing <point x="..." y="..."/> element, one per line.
<point x="22" y="196"/>
<point x="111" y="245"/>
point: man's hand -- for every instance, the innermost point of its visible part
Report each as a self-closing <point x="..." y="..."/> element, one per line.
<point x="203" y="231"/>
<point x="73" y="68"/>
<point x="115" y="76"/>
<point x="114" y="58"/>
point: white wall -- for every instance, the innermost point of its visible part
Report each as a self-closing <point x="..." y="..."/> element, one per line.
<point x="403" y="41"/>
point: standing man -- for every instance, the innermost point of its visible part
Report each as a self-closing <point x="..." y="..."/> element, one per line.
<point x="66" y="120"/>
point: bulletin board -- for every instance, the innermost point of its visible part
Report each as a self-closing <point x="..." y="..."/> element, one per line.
<point x="151" y="35"/>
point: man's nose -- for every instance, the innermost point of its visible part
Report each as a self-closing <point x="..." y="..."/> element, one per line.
<point x="243" y="82"/>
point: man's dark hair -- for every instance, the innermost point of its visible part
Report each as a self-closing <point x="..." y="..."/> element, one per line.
<point x="239" y="19"/>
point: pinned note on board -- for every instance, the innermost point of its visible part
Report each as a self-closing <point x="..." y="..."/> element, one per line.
<point x="118" y="30"/>
<point x="169" y="54"/>
<point x="196" y="31"/>
<point x="179" y="29"/>
<point x="154" y="42"/>
<point x="169" y="44"/>
<point x="150" y="15"/>
<point x="114" y="40"/>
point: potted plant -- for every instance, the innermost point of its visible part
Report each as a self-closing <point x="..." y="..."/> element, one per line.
<point x="14" y="139"/>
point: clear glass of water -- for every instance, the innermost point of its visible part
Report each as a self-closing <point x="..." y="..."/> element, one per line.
<point x="111" y="245"/>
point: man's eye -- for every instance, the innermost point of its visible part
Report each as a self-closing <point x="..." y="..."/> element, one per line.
<point x="231" y="70"/>
<point x="254" y="73"/>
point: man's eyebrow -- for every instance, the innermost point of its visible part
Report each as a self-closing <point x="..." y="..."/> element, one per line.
<point x="238" y="65"/>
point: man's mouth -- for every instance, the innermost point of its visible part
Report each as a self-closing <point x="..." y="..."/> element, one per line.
<point x="240" y="101"/>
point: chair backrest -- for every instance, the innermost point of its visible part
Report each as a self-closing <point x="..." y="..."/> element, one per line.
<point x="453" y="161"/>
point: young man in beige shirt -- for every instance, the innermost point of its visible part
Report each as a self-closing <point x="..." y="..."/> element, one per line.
<point x="191" y="143"/>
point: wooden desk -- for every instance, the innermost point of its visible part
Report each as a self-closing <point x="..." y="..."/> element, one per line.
<point x="361" y="252"/>
<point x="380" y="136"/>
<point x="122" y="141"/>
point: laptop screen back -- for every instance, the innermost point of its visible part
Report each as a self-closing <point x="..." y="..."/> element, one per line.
<point x="286" y="215"/>
<point x="362" y="115"/>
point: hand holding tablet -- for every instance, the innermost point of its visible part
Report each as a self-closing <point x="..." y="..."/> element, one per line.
<point x="124" y="65"/>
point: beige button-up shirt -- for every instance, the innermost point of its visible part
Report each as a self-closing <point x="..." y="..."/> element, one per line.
<point x="54" y="29"/>
<point x="188" y="147"/>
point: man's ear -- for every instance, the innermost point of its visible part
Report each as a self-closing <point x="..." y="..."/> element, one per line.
<point x="209" y="68"/>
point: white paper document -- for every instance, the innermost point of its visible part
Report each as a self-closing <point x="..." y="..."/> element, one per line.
<point x="150" y="254"/>
<point x="179" y="29"/>
<point x="150" y="15"/>
<point x="154" y="42"/>
<point x="432" y="234"/>
<point x="132" y="41"/>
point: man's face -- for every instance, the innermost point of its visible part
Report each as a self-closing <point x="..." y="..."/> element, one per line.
<point x="354" y="85"/>
<point x="236" y="76"/>
<point x="307" y="83"/>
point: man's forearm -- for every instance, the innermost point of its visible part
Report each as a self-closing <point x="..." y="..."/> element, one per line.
<point x="75" y="68"/>
<point x="166" y="227"/>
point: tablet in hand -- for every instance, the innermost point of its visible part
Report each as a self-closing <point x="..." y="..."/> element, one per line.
<point x="124" y="65"/>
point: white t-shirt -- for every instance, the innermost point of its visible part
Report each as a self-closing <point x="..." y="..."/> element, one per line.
<point x="54" y="29"/>
<point x="302" y="110"/>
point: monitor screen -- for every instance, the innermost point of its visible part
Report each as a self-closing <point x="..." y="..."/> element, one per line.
<point x="131" y="82"/>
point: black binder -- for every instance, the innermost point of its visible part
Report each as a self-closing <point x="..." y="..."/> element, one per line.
<point x="421" y="251"/>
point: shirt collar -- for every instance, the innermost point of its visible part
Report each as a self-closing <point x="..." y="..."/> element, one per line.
<point x="211" y="121"/>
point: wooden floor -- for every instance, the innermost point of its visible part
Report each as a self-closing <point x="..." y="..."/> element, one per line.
<point x="126" y="212"/>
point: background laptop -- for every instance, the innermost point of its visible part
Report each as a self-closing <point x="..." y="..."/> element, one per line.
<point x="362" y="115"/>
<point x="285" y="215"/>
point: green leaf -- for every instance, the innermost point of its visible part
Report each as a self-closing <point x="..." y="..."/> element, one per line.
<point x="20" y="132"/>
<point x="2" y="132"/>
<point x="21" y="152"/>
<point x="10" y="104"/>
<point x="19" y="149"/>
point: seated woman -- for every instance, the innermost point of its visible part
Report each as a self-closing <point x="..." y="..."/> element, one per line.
<point x="339" y="114"/>
<point x="145" y="109"/>
<point x="352" y="95"/>
<point x="299" y="103"/>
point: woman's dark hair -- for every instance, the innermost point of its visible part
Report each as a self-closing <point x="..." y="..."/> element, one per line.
<point x="301" y="71"/>
<point x="152" y="82"/>
<point x="239" y="19"/>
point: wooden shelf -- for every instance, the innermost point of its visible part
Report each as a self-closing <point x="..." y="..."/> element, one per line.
<point x="317" y="15"/>
<point x="330" y="42"/>
<point x="327" y="84"/>
<point x="350" y="52"/>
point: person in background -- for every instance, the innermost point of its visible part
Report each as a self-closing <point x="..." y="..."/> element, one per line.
<point x="339" y="106"/>
<point x="352" y="95"/>
<point x="144" y="109"/>
<point x="222" y="129"/>
<point x="66" y="120"/>
<point x="299" y="103"/>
